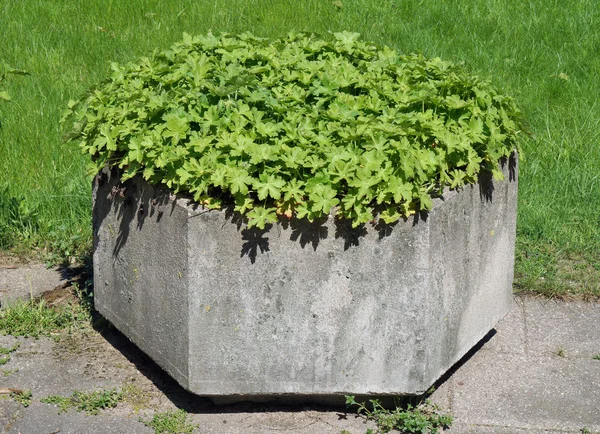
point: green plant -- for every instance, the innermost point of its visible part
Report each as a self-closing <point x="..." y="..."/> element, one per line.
<point x="422" y="418"/>
<point x="175" y="422"/>
<point x="297" y="127"/>
<point x="7" y="352"/>
<point x="596" y="357"/>
<point x="560" y="352"/>
<point x="22" y="396"/>
<point x="91" y="402"/>
<point x="62" y="402"/>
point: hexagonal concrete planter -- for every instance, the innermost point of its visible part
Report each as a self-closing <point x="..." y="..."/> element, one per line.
<point x="303" y="309"/>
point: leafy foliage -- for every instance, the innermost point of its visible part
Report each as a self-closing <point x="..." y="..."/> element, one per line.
<point x="422" y="419"/>
<point x="297" y="127"/>
<point x="22" y="396"/>
<point x="5" y="352"/>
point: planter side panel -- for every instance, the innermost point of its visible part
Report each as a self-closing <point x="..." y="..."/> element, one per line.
<point x="140" y="269"/>
<point x="310" y="313"/>
<point x="302" y="308"/>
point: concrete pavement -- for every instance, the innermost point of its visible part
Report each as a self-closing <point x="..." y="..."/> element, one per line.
<point x="538" y="373"/>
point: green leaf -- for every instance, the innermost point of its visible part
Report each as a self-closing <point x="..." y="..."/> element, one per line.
<point x="364" y="182"/>
<point x="390" y="215"/>
<point x="497" y="174"/>
<point x="293" y="190"/>
<point x="239" y="180"/>
<point x="268" y="185"/>
<point x="243" y="203"/>
<point x="347" y="38"/>
<point x="260" y="216"/>
<point x="324" y="199"/>
<point x="177" y="126"/>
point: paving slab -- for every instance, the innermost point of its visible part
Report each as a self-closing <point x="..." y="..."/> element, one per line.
<point x="518" y="392"/>
<point x="98" y="361"/>
<point x="518" y="382"/>
<point x="490" y="429"/>
<point x="42" y="418"/>
<point x="573" y="327"/>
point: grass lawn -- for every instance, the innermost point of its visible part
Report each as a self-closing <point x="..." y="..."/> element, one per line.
<point x="544" y="52"/>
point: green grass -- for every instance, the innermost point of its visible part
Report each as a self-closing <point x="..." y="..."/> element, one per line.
<point x="544" y="52"/>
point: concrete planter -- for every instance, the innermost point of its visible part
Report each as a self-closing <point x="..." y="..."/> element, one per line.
<point x="303" y="309"/>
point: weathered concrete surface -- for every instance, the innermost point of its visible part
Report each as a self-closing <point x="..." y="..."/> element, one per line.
<point x="27" y="281"/>
<point x="303" y="309"/>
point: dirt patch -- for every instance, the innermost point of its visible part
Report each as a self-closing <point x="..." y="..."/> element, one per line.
<point x="10" y="262"/>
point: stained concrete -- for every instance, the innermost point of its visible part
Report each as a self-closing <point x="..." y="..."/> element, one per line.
<point x="303" y="308"/>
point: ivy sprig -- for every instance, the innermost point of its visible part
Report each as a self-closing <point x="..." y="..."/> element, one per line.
<point x="298" y="127"/>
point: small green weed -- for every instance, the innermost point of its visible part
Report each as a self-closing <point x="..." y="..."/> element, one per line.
<point x="596" y="357"/>
<point x="63" y="403"/>
<point x="175" y="422"/>
<point x="91" y="402"/>
<point x="24" y="397"/>
<point x="7" y="351"/>
<point x="560" y="352"/>
<point x="422" y="418"/>
<point x="7" y="372"/>
<point x="34" y="318"/>
<point x="4" y="350"/>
